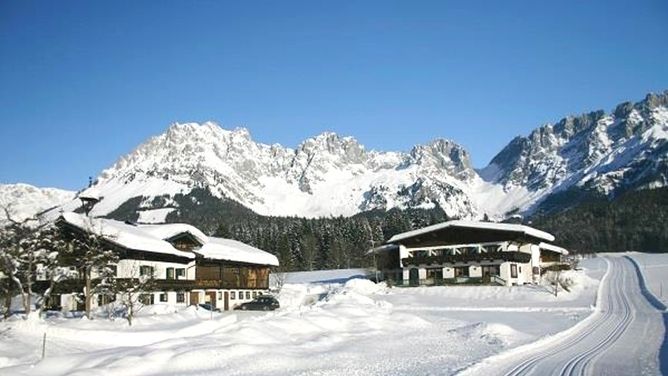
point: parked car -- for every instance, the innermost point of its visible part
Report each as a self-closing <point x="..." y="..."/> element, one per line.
<point x="209" y="307"/>
<point x="261" y="303"/>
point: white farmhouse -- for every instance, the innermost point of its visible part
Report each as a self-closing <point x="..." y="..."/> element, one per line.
<point x="467" y="252"/>
<point x="189" y="267"/>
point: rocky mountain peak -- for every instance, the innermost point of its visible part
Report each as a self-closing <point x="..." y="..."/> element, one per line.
<point x="445" y="155"/>
<point x="333" y="175"/>
<point x="592" y="150"/>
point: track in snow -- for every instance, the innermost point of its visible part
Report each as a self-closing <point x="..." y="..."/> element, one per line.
<point x="622" y="337"/>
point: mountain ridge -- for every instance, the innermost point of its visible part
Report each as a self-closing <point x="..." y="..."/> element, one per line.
<point x="331" y="175"/>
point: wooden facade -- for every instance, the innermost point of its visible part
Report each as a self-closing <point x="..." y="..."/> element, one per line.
<point x="183" y="279"/>
<point x="232" y="275"/>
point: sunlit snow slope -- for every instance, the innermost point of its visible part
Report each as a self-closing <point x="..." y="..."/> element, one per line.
<point x="23" y="200"/>
<point x="596" y="153"/>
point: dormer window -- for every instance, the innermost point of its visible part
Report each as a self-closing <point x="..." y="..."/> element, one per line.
<point x="185" y="242"/>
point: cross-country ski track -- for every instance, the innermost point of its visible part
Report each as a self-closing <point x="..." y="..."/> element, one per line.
<point x="623" y="335"/>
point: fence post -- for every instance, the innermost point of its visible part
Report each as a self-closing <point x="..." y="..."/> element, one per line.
<point x="44" y="345"/>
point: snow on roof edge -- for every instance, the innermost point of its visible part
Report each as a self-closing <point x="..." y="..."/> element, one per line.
<point x="149" y="238"/>
<point x="234" y="250"/>
<point x="473" y="224"/>
<point x="553" y="248"/>
<point x="130" y="237"/>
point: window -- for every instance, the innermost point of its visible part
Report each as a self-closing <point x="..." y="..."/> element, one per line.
<point x="461" y="271"/>
<point x="435" y="273"/>
<point x="180" y="272"/>
<point x="247" y="294"/>
<point x="180" y="297"/>
<point x="146" y="270"/>
<point x="170" y="273"/>
<point x="513" y="270"/>
<point x="146" y="299"/>
<point x="254" y="294"/>
<point x="220" y="295"/>
<point x="163" y="297"/>
<point x="233" y="295"/>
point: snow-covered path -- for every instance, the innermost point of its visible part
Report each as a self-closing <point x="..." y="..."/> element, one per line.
<point x="622" y="337"/>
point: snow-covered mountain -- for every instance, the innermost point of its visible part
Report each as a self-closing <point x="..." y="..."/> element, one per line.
<point x="333" y="175"/>
<point x="603" y="153"/>
<point x="325" y="175"/>
<point x="23" y="200"/>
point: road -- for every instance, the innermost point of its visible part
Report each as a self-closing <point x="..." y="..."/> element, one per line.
<point x="622" y="337"/>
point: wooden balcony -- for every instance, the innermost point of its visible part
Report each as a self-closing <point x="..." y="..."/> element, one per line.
<point x="76" y="285"/>
<point x="202" y="284"/>
<point x="513" y="256"/>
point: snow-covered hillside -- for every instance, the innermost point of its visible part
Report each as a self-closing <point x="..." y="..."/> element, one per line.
<point x="333" y="175"/>
<point x="325" y="175"/>
<point x="600" y="152"/>
<point x="23" y="200"/>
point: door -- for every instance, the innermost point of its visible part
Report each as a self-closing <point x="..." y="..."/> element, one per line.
<point x="413" y="277"/>
<point x="211" y="295"/>
<point x="226" y="296"/>
<point x="194" y="298"/>
<point x="488" y="272"/>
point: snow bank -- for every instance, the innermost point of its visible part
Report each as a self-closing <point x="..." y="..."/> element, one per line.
<point x="350" y="327"/>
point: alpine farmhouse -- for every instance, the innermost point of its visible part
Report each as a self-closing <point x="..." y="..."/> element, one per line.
<point x="188" y="267"/>
<point x="466" y="252"/>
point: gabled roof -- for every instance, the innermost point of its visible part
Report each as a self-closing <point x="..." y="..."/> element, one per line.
<point x="553" y="248"/>
<point x="153" y="238"/>
<point x="123" y="234"/>
<point x="170" y="230"/>
<point x="232" y="250"/>
<point x="466" y="232"/>
<point x="90" y="193"/>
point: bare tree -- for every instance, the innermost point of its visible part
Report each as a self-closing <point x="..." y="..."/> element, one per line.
<point x="130" y="290"/>
<point x="17" y="259"/>
<point x="279" y="279"/>
<point x="554" y="278"/>
<point x="51" y="250"/>
<point x="94" y="260"/>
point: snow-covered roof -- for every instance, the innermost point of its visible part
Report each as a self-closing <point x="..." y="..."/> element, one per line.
<point x="90" y="193"/>
<point x="553" y="248"/>
<point x="169" y="230"/>
<point x="152" y="238"/>
<point x="382" y="248"/>
<point x="509" y="227"/>
<point x="232" y="250"/>
<point x="126" y="235"/>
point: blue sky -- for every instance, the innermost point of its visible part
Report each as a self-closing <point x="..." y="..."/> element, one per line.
<point x="83" y="82"/>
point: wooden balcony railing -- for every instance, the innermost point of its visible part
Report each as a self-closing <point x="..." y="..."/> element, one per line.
<point x="512" y="256"/>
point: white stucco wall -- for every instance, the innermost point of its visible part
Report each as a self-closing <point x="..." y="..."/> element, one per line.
<point x="475" y="271"/>
<point x="403" y="253"/>
<point x="129" y="268"/>
<point x="524" y="274"/>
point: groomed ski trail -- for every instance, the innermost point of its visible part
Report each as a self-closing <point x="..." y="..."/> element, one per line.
<point x="621" y="337"/>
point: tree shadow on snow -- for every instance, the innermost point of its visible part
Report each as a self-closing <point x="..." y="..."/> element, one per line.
<point x="656" y="303"/>
<point x="663" y="352"/>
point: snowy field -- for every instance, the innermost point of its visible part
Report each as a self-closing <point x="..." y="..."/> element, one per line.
<point x="329" y="324"/>
<point x="654" y="268"/>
